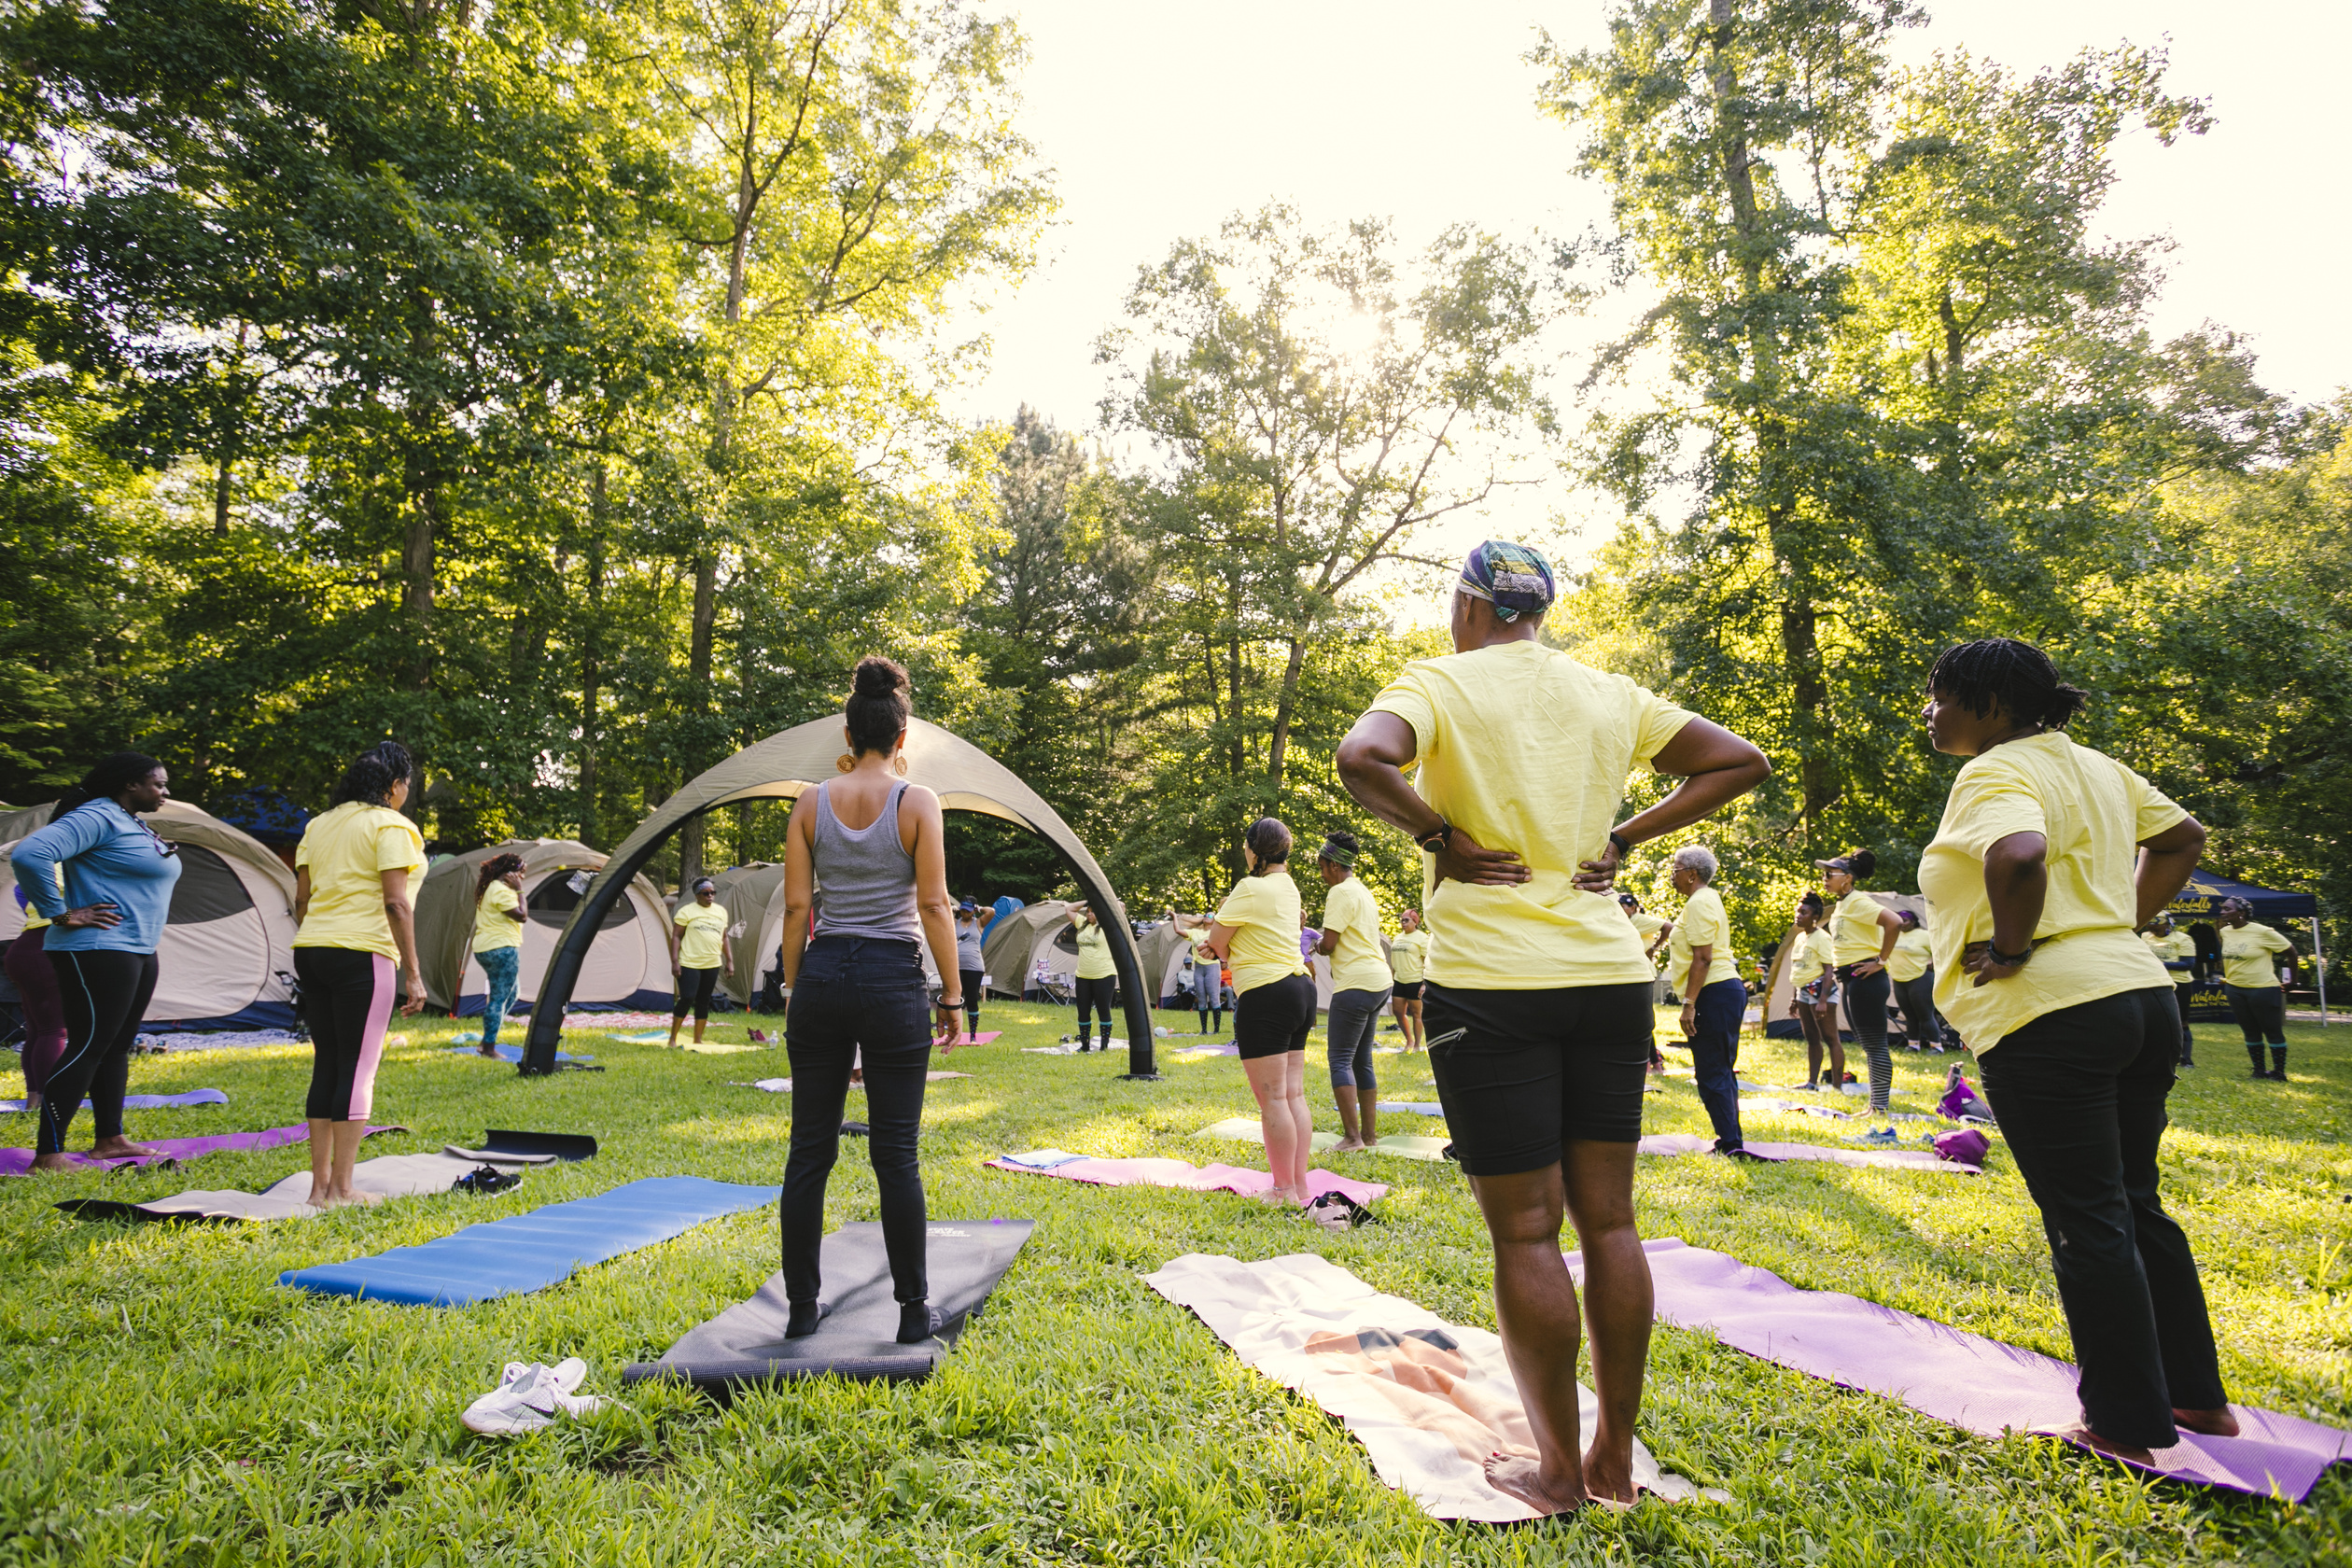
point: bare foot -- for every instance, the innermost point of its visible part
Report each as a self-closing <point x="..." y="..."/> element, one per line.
<point x="51" y="1162"/>
<point x="1347" y="1147"/>
<point x="2207" y="1424"/>
<point x="1523" y="1478"/>
<point x="2092" y="1440"/>
<point x="1282" y="1197"/>
<point x="120" y="1148"/>
<point x="487" y="1050"/>
<point x="1609" y="1478"/>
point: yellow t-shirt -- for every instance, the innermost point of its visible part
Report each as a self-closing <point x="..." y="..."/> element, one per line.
<point x="1912" y="955"/>
<point x="1807" y="952"/>
<point x="2246" y="956"/>
<point x="2180" y="944"/>
<point x="1702" y="924"/>
<point x="1853" y="929"/>
<point x="33" y="918"/>
<point x="1646" y="923"/>
<point x="1357" y="962"/>
<point x="1263" y="912"/>
<point x="1406" y="954"/>
<point x="1094" y="953"/>
<point x="347" y="851"/>
<point x="698" y="934"/>
<point x="1525" y="749"/>
<point x="2094" y="812"/>
<point x="494" y="924"/>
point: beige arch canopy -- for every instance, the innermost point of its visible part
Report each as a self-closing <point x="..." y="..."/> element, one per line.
<point x="965" y="778"/>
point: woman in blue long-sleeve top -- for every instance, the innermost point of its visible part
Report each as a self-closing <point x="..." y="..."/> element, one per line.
<point x="102" y="934"/>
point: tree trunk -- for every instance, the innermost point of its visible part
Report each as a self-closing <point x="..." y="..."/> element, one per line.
<point x="1277" y="747"/>
<point x="699" y="647"/>
<point x="423" y="499"/>
<point x="591" y="660"/>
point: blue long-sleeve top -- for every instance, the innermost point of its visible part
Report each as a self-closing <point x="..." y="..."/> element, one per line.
<point x="109" y="858"/>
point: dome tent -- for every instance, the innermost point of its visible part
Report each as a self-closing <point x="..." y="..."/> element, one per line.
<point x="779" y="768"/>
<point x="627" y="965"/>
<point x="227" y="957"/>
<point x="1034" y="935"/>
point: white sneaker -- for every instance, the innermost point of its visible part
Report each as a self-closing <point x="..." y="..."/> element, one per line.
<point x="529" y="1397"/>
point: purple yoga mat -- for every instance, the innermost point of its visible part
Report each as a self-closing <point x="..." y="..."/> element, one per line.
<point x="1964" y="1378"/>
<point x="18" y="1162"/>
<point x="1193" y="1178"/>
<point x="1884" y="1159"/>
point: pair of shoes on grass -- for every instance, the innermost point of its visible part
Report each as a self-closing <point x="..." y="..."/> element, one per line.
<point x="529" y="1397"/>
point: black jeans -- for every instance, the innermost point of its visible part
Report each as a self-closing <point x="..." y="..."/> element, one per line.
<point x="1714" y="1057"/>
<point x="2187" y="1035"/>
<point x="856" y="994"/>
<point x="2260" y="1012"/>
<point x="2080" y="1098"/>
<point x="103" y="995"/>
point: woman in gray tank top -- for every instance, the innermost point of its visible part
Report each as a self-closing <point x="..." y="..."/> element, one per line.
<point x="856" y="987"/>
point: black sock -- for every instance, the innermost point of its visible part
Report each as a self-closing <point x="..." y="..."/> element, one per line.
<point x="2279" y="1060"/>
<point x="2254" y="1049"/>
<point x="803" y="1321"/>
<point x="917" y="1321"/>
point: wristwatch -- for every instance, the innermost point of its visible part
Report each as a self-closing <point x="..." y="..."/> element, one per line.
<point x="2007" y="960"/>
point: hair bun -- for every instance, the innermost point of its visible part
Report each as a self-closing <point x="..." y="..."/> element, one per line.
<point x="1343" y="838"/>
<point x="878" y="677"/>
<point x="1864" y="862"/>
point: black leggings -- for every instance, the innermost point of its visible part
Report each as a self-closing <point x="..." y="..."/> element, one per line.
<point x="695" y="988"/>
<point x="104" y="995"/>
<point x="1096" y="994"/>
<point x="347" y="998"/>
<point x="1865" y="1009"/>
<point x="974" y="982"/>
<point x="2260" y="1012"/>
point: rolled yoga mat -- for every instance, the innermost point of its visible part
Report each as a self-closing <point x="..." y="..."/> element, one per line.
<point x="1428" y="1399"/>
<point x="530" y="1251"/>
<point x="858" y="1337"/>
<point x="1172" y="1173"/>
<point x="141" y="1102"/>
<point x="19" y="1162"/>
<point x="1971" y="1383"/>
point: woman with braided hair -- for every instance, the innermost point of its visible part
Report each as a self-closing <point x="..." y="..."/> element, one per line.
<point x="497" y="939"/>
<point x="2050" y="856"/>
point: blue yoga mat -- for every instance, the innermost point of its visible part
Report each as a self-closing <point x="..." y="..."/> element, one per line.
<point x="512" y="1053"/>
<point x="531" y="1251"/>
<point x="140" y="1102"/>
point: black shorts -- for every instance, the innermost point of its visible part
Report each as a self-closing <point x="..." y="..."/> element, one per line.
<point x="1275" y="1017"/>
<point x="1407" y="990"/>
<point x="1522" y="1072"/>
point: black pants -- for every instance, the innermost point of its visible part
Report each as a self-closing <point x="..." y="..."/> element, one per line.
<point x="2080" y="1098"/>
<point x="695" y="988"/>
<point x="1714" y="1057"/>
<point x="1866" y="1010"/>
<point x="104" y="995"/>
<point x="975" y="981"/>
<point x="347" y="998"/>
<point x="2187" y="1035"/>
<point x="857" y="995"/>
<point x="1923" y="1026"/>
<point x="1096" y="994"/>
<point x="2260" y="1012"/>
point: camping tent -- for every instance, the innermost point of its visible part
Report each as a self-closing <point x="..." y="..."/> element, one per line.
<point x="779" y="768"/>
<point x="227" y="955"/>
<point x="1779" y="987"/>
<point x="1165" y="953"/>
<point x="754" y="899"/>
<point x="1019" y="942"/>
<point x="627" y="965"/>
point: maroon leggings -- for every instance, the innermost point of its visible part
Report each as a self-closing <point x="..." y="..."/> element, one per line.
<point x="36" y="980"/>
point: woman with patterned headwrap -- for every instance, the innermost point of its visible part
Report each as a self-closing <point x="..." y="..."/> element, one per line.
<point x="1537" y="993"/>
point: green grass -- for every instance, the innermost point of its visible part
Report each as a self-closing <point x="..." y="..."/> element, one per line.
<point x="173" y="1404"/>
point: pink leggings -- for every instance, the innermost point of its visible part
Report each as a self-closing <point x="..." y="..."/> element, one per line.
<point x="347" y="1002"/>
<point x="36" y="980"/>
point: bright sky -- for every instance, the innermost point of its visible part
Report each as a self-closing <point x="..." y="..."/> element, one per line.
<point x="1162" y="122"/>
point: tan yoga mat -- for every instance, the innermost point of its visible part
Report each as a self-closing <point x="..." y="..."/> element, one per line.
<point x="1428" y="1400"/>
<point x="1245" y="1130"/>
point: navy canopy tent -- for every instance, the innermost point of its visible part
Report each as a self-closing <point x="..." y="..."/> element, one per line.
<point x="2203" y="897"/>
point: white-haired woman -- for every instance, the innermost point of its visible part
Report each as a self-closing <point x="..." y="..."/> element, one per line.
<point x="1705" y="973"/>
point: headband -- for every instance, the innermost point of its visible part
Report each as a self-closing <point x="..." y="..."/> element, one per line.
<point x="1337" y="854"/>
<point x="1514" y="580"/>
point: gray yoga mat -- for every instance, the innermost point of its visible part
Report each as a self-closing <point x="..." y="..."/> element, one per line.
<point x="390" y="1176"/>
<point x="857" y="1340"/>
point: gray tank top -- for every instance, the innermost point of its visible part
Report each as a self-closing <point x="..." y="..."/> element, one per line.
<point x="865" y="878"/>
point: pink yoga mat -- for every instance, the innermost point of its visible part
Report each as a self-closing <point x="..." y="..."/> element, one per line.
<point x="1191" y="1177"/>
<point x="19" y="1162"/>
<point x="1972" y="1382"/>
<point x="1884" y="1159"/>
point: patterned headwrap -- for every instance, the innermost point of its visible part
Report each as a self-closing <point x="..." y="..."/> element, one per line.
<point x="1337" y="853"/>
<point x="1512" y="578"/>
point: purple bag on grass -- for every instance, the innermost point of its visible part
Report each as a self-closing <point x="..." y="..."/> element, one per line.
<point x="1963" y="1146"/>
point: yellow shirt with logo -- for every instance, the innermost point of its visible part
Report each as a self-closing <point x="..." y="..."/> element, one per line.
<point x="1807" y="952"/>
<point x="495" y="926"/>
<point x="347" y="851"/>
<point x="2178" y="944"/>
<point x="1094" y="952"/>
<point x="699" y="929"/>
<point x="1702" y="924"/>
<point x="1407" y="952"/>
<point x="2093" y="813"/>
<point x="1913" y="952"/>
<point x="1853" y="929"/>
<point x="1263" y="913"/>
<point x="2246" y="956"/>
<point x="1525" y="749"/>
<point x="1356" y="960"/>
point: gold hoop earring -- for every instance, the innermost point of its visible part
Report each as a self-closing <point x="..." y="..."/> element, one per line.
<point x="897" y="764"/>
<point x="843" y="763"/>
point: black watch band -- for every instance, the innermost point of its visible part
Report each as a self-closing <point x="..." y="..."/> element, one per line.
<point x="2007" y="960"/>
<point x="1436" y="841"/>
<point x="1617" y="838"/>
